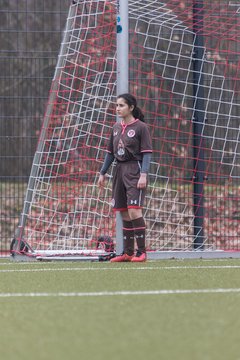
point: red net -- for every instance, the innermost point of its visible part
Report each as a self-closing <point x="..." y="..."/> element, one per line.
<point x="184" y="71"/>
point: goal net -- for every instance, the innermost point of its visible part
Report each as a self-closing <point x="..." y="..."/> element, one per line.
<point x="191" y="105"/>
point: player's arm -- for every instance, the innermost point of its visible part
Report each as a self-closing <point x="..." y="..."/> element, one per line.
<point x="106" y="164"/>
<point x="146" y="160"/>
<point x="109" y="157"/>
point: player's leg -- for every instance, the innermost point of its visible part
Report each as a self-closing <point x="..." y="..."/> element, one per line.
<point x="120" y="204"/>
<point x="128" y="234"/>
<point x="139" y="227"/>
<point x="135" y="200"/>
<point x="128" y="240"/>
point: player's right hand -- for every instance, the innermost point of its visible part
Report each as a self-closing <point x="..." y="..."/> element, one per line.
<point x="101" y="180"/>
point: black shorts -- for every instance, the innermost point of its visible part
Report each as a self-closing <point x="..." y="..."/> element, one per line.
<point x="124" y="190"/>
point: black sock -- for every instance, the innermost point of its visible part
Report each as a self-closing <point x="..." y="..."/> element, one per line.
<point x="139" y="232"/>
<point x="128" y="237"/>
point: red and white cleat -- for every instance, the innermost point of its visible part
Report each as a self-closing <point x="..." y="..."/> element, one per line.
<point x="122" y="258"/>
<point x="139" y="257"/>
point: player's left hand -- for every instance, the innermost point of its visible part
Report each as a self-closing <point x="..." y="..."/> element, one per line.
<point x="142" y="182"/>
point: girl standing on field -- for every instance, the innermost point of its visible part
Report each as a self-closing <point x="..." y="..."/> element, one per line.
<point x="130" y="146"/>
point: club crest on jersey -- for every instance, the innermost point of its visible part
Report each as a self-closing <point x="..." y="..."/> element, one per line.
<point x="131" y="133"/>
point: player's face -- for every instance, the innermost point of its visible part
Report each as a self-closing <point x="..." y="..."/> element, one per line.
<point x="123" y="109"/>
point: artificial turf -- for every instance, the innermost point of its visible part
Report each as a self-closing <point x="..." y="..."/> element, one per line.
<point x="110" y="311"/>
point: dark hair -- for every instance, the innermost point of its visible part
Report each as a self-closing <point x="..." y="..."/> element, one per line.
<point x="131" y="101"/>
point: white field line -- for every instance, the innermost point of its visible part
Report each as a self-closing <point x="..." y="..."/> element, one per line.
<point x="121" y="293"/>
<point x="142" y="268"/>
<point x="37" y="263"/>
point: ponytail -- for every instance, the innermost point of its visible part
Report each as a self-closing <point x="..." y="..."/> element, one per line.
<point x="137" y="113"/>
<point x="131" y="101"/>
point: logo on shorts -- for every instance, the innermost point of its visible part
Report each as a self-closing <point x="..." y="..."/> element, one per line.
<point x="113" y="202"/>
<point x="131" y="133"/>
<point x="115" y="133"/>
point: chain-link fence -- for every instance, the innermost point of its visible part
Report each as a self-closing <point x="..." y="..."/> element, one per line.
<point x="30" y="37"/>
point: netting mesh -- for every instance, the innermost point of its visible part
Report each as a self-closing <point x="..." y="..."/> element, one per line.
<point x="64" y="208"/>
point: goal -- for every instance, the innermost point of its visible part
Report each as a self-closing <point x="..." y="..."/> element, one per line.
<point x="184" y="70"/>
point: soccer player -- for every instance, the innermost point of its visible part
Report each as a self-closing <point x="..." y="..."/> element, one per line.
<point x="130" y="146"/>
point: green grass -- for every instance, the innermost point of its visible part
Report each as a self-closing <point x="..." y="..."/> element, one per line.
<point x="190" y="326"/>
